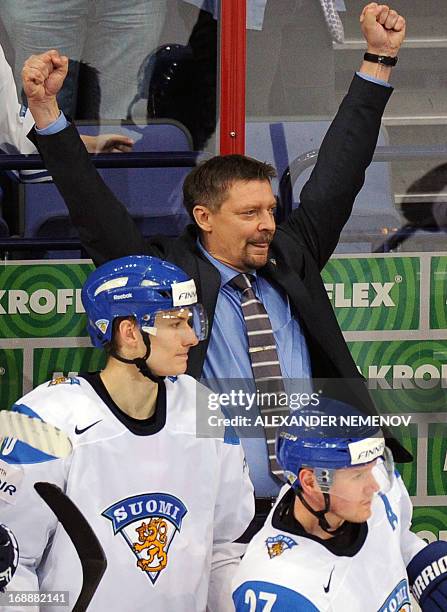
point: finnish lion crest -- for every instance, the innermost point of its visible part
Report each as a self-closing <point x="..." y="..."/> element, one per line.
<point x="148" y="522"/>
<point x="152" y="537"/>
<point x="64" y="380"/>
<point x="278" y="544"/>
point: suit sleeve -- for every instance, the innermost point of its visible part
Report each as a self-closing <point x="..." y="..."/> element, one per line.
<point x="106" y="229"/>
<point x="233" y="513"/>
<point x="327" y="198"/>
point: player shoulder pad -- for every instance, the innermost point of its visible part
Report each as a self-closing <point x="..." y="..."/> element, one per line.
<point x="213" y="421"/>
<point x="260" y="595"/>
<point x="181" y="405"/>
<point x="64" y="380"/>
<point x="55" y="400"/>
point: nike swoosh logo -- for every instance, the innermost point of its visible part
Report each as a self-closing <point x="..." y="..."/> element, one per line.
<point x="326" y="588"/>
<point x="84" y="429"/>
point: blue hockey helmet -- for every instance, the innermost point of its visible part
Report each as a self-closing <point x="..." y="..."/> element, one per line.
<point x="140" y="286"/>
<point x="329" y="437"/>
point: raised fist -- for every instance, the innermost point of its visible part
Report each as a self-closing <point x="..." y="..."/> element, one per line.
<point x="43" y="76"/>
<point x="383" y="29"/>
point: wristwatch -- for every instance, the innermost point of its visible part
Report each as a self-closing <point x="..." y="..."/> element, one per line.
<point x="385" y="60"/>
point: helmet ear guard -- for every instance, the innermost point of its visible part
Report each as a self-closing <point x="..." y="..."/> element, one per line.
<point x="323" y="476"/>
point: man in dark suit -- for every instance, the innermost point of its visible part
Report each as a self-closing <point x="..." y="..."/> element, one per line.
<point x="231" y="202"/>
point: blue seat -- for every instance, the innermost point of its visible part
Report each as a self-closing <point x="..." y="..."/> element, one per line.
<point x="374" y="213"/>
<point x="153" y="196"/>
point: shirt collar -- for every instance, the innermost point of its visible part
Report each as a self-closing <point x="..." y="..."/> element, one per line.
<point x="227" y="273"/>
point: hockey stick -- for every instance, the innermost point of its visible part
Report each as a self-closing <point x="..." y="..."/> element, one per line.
<point x="34" y="432"/>
<point x="90" y="552"/>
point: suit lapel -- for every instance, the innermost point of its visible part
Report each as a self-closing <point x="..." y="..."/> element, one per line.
<point x="206" y="276"/>
<point x="207" y="280"/>
<point x="302" y="304"/>
<point x="208" y="285"/>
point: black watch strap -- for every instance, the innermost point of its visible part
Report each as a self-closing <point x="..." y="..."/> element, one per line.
<point x="385" y="60"/>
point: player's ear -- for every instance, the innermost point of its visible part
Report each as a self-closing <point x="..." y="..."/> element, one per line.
<point x="127" y="332"/>
<point x="308" y="482"/>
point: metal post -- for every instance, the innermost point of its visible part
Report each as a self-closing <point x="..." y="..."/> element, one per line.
<point x="232" y="76"/>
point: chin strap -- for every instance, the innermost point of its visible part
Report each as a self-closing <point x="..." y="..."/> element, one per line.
<point x="321" y="514"/>
<point x="141" y="362"/>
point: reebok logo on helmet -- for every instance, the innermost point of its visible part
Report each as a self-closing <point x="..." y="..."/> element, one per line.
<point x="123" y="296"/>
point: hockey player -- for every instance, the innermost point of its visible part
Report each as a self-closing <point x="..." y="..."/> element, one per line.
<point x="339" y="536"/>
<point x="166" y="505"/>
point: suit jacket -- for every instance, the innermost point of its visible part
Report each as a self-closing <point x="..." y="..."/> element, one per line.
<point x="300" y="249"/>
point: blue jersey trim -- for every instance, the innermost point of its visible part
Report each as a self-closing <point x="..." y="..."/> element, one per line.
<point x="23" y="409"/>
<point x="231" y="437"/>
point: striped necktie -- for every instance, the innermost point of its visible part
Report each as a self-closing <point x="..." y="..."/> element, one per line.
<point x="263" y="357"/>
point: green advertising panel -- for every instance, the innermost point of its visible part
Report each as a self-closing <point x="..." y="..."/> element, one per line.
<point x="42" y="301"/>
<point x="432" y="519"/>
<point x="404" y="376"/>
<point x="438" y="293"/>
<point x="374" y="293"/>
<point x="410" y="377"/>
<point x="54" y="361"/>
<point x="437" y="459"/>
<point x="11" y="375"/>
<point x="408" y="437"/>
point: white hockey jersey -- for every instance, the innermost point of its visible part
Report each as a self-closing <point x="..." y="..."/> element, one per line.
<point x="166" y="506"/>
<point x="282" y="571"/>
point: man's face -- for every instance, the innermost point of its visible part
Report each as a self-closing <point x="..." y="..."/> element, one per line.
<point x="240" y="232"/>
<point x="171" y="343"/>
<point x="352" y="493"/>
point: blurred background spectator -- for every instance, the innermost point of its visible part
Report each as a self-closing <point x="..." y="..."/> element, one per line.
<point x="111" y="36"/>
